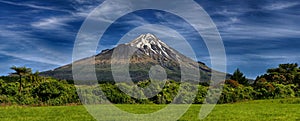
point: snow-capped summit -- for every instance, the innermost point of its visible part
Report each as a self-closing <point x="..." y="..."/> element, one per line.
<point x="146" y="40"/>
<point x="151" y="45"/>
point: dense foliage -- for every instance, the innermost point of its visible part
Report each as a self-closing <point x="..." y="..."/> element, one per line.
<point x="32" y="89"/>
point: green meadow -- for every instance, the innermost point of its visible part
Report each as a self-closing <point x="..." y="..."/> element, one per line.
<point x="268" y="110"/>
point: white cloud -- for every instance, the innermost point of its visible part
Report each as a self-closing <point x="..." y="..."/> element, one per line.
<point x="230" y="21"/>
<point x="58" y="22"/>
<point x="31" y="57"/>
<point x="280" y="57"/>
<point x="32" y="6"/>
<point x="29" y="46"/>
<point x="246" y="31"/>
<point x="24" y="45"/>
<point x="226" y="12"/>
<point x="51" y="23"/>
<point x="280" y="5"/>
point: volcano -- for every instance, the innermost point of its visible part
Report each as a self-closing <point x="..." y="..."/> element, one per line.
<point x="140" y="54"/>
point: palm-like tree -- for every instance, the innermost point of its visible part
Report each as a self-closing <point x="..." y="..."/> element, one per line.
<point x="34" y="77"/>
<point x="21" y="71"/>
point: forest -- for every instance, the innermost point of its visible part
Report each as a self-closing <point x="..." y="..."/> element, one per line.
<point x="23" y="87"/>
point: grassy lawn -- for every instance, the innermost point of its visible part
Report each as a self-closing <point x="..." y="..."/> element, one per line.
<point x="281" y="109"/>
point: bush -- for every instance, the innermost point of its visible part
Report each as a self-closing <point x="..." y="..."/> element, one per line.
<point x="201" y="95"/>
<point x="240" y="93"/>
<point x="232" y="83"/>
<point x="54" y="92"/>
<point x="284" y="91"/>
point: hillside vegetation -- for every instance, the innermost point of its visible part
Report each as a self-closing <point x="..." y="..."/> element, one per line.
<point x="27" y="88"/>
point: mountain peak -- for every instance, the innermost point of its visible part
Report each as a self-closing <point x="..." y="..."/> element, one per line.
<point x="144" y="39"/>
<point x="147" y="41"/>
<point x="148" y="51"/>
<point x="149" y="36"/>
<point x="150" y="44"/>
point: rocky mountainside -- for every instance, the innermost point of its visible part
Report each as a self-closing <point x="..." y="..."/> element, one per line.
<point x="141" y="54"/>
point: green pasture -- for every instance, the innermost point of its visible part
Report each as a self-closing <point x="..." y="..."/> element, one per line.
<point x="280" y="109"/>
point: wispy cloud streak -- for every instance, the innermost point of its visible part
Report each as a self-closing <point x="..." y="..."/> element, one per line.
<point x="33" y="6"/>
<point x="280" y="5"/>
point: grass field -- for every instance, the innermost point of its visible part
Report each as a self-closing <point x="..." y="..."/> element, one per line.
<point x="281" y="109"/>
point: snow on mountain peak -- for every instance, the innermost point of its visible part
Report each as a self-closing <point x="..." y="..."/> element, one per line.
<point x="150" y="42"/>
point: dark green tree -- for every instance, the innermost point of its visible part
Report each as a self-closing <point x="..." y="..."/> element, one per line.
<point x="284" y="74"/>
<point x="21" y="71"/>
<point x="239" y="77"/>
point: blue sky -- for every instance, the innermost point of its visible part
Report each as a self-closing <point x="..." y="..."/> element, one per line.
<point x="257" y="34"/>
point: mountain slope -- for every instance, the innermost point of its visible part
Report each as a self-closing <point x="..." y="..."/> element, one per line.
<point x="141" y="54"/>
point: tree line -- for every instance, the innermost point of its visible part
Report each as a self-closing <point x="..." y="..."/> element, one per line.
<point x="23" y="87"/>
